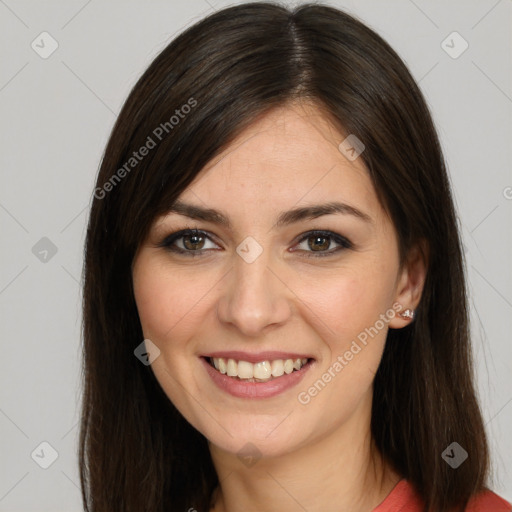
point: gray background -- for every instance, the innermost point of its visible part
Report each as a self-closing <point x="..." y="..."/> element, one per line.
<point x="56" y="116"/>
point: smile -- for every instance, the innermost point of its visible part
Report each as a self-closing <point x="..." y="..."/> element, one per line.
<point x="256" y="376"/>
<point x="263" y="371"/>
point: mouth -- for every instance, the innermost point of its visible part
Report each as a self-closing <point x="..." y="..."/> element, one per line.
<point x="256" y="376"/>
<point x="262" y="371"/>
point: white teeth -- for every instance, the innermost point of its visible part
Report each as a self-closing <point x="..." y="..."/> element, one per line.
<point x="232" y="369"/>
<point x="277" y="368"/>
<point x="245" y="370"/>
<point x="259" y="372"/>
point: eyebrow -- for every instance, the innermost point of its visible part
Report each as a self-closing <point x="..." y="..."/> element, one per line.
<point x="284" y="219"/>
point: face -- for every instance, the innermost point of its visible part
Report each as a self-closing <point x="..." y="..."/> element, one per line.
<point x="262" y="287"/>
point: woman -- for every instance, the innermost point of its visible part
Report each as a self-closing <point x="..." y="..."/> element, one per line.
<point x="275" y="313"/>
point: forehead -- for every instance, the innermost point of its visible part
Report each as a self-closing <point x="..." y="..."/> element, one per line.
<point x="288" y="157"/>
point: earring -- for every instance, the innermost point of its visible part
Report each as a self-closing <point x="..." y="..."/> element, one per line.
<point x="408" y="314"/>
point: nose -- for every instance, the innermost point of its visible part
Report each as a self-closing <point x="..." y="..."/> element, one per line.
<point x="254" y="298"/>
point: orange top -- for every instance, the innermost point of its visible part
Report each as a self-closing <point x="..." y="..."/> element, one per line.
<point x="403" y="498"/>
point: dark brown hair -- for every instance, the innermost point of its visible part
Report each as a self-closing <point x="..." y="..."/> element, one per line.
<point x="137" y="453"/>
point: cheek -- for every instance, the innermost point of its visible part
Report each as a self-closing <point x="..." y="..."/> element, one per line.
<point x="168" y="305"/>
<point x="350" y="304"/>
<point x="166" y="301"/>
<point x="347" y="302"/>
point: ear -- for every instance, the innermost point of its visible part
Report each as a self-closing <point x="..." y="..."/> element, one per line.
<point x="410" y="284"/>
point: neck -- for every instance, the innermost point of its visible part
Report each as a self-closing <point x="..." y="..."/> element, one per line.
<point x="343" y="467"/>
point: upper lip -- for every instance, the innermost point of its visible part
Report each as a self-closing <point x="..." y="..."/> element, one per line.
<point x="256" y="357"/>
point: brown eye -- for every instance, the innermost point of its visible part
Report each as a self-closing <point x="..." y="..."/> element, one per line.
<point x="193" y="242"/>
<point x="190" y="242"/>
<point x="318" y="243"/>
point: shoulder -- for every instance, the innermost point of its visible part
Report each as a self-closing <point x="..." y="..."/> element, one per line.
<point x="403" y="498"/>
<point x="488" y="501"/>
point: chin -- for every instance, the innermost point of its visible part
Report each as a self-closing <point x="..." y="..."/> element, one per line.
<point x="255" y="437"/>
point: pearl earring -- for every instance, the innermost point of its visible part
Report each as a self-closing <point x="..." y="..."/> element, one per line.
<point x="408" y="314"/>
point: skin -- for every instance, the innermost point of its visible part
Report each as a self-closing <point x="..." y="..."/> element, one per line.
<point x="310" y="455"/>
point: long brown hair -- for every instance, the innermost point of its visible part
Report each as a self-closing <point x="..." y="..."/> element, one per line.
<point x="137" y="453"/>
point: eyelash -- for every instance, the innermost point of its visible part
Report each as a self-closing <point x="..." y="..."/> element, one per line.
<point x="173" y="237"/>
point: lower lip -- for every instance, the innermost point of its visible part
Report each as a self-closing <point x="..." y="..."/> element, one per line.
<point x="243" y="389"/>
